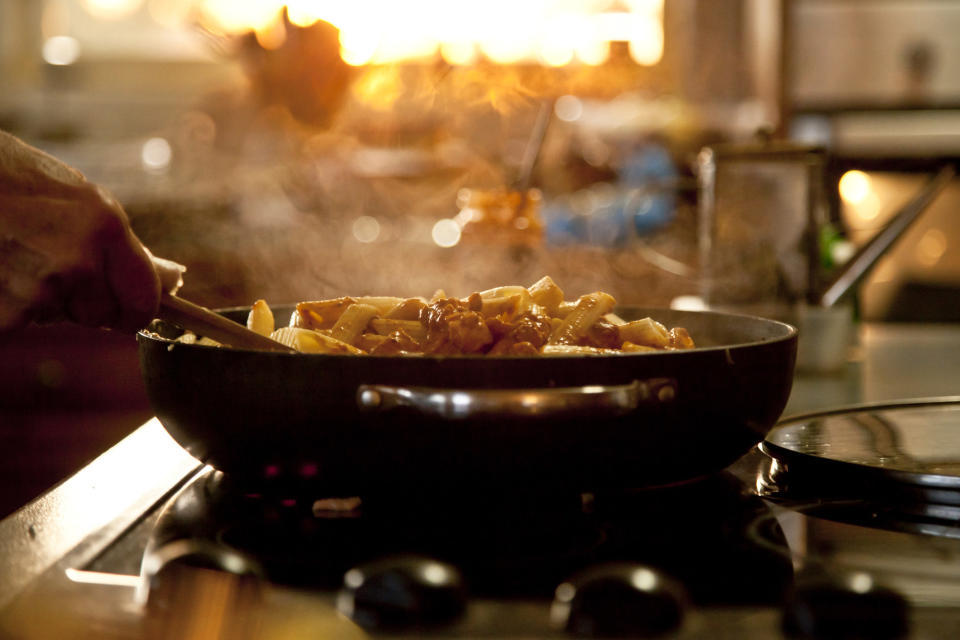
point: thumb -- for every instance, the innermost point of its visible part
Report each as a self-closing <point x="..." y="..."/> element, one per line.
<point x="170" y="272"/>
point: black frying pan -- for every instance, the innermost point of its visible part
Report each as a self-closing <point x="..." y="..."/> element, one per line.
<point x="360" y="424"/>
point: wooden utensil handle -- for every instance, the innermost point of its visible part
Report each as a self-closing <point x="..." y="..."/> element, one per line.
<point x="204" y="322"/>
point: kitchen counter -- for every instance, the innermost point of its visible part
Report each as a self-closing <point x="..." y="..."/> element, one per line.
<point x="888" y="362"/>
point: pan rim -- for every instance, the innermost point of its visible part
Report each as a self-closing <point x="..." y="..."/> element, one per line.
<point x="786" y="332"/>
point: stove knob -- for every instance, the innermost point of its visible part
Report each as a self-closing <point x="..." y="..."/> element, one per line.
<point x="849" y="606"/>
<point x="178" y="580"/>
<point x="622" y="599"/>
<point x="402" y="592"/>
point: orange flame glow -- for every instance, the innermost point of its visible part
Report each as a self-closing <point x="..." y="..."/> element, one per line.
<point x="551" y="32"/>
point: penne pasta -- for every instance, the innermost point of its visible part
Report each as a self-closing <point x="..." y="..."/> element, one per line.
<point x="588" y="310"/>
<point x="353" y="321"/>
<point x="501" y="321"/>
<point x="260" y="318"/>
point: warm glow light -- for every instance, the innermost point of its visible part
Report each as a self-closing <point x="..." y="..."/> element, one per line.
<point x="466" y="216"/>
<point x="555" y="32"/>
<point x="617" y="26"/>
<point x="506" y="47"/>
<point x="239" y="16"/>
<point x="380" y="88"/>
<point x="646" y="44"/>
<point x="156" y="154"/>
<point x="868" y="209"/>
<point x="644" y="579"/>
<point x="366" y="229"/>
<point x="854" y="187"/>
<point x="61" y="50"/>
<point x="559" y="37"/>
<point x="568" y="108"/>
<point x="111" y="9"/>
<point x="861" y="582"/>
<point x="556" y="54"/>
<point x="593" y="52"/>
<point x="446" y="233"/>
<point x="103" y="578"/>
<point x="357" y="47"/>
<point x="272" y="36"/>
<point x="652" y="7"/>
<point x="170" y="13"/>
<point x="302" y="13"/>
<point x="932" y="246"/>
<point x="459" y="53"/>
<point x="436" y="573"/>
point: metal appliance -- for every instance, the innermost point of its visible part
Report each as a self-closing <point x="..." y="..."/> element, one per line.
<point x="148" y="543"/>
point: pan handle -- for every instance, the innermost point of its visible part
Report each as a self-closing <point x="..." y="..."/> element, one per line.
<point x="599" y="401"/>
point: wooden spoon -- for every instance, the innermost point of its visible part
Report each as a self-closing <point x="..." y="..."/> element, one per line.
<point x="204" y="322"/>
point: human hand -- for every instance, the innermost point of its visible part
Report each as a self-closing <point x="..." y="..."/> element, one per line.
<point x="67" y="250"/>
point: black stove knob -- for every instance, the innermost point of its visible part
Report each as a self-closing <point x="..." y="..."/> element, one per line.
<point x="847" y="606"/>
<point x="402" y="592"/>
<point x="622" y="599"/>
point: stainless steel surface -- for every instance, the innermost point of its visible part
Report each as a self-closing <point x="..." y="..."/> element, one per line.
<point x="914" y="442"/>
<point x="826" y="336"/>
<point x="874" y="53"/>
<point x="534" y="146"/>
<point x="84" y="513"/>
<point x="760" y="208"/>
<point x="854" y="270"/>
<point x="896" y="361"/>
<point x="598" y="401"/>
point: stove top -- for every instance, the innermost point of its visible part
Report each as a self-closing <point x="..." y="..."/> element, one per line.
<point x="775" y="546"/>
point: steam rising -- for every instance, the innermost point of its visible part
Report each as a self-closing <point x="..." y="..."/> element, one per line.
<point x="261" y="205"/>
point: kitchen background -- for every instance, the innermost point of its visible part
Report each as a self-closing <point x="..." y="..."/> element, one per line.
<point x="302" y="150"/>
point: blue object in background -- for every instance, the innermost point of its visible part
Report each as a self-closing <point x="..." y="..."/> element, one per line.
<point x="644" y="201"/>
<point x="648" y="176"/>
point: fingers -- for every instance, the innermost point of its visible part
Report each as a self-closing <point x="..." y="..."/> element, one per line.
<point x="76" y="258"/>
<point x="28" y="170"/>
<point x="91" y="303"/>
<point x="27" y="292"/>
<point x="135" y="276"/>
<point x="170" y="272"/>
<point x="67" y="249"/>
<point x="134" y="283"/>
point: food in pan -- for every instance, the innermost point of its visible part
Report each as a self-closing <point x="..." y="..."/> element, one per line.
<point x="504" y="321"/>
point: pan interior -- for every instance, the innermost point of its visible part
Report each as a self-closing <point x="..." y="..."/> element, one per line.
<point x="708" y="329"/>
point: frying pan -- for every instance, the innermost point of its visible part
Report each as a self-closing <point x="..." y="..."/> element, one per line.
<point x="362" y="424"/>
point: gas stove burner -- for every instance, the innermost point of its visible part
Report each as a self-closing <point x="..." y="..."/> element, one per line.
<point x="895" y="466"/>
<point x="503" y="545"/>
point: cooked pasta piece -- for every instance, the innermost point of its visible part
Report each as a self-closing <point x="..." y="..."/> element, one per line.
<point x="588" y="310"/>
<point x="577" y="350"/>
<point x="353" y="321"/>
<point x="386" y="326"/>
<point x="308" y="341"/>
<point x="501" y="321"/>
<point x="384" y="304"/>
<point x="320" y="314"/>
<point x="547" y="294"/>
<point x="645" y="331"/>
<point x="260" y="318"/>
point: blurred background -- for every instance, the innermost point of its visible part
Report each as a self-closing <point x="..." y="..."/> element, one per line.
<point x="720" y="152"/>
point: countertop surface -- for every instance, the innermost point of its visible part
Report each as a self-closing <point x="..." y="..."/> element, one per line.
<point x="888" y="362"/>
